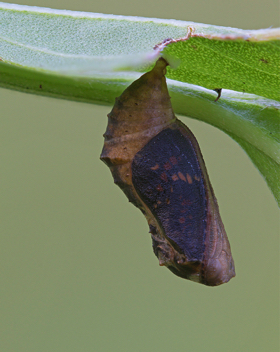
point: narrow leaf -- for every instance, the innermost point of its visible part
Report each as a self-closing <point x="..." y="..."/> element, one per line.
<point x="76" y="55"/>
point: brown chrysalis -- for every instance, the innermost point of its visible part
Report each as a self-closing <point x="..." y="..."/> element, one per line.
<point x="156" y="160"/>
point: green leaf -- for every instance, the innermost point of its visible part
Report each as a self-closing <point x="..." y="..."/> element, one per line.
<point x="91" y="57"/>
<point x="243" y="66"/>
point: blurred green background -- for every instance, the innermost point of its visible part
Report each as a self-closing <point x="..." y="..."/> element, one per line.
<point x="77" y="268"/>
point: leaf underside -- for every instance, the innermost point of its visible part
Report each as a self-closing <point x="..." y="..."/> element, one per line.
<point x="93" y="57"/>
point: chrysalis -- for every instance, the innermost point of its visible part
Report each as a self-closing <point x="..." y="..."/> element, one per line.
<point x="156" y="160"/>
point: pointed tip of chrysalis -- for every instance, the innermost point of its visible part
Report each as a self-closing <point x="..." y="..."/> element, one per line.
<point x="149" y="90"/>
<point x="160" y="67"/>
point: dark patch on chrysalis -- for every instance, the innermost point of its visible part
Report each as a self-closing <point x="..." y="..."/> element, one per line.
<point x="167" y="176"/>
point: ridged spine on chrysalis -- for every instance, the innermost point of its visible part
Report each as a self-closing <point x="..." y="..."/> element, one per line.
<point x="156" y="161"/>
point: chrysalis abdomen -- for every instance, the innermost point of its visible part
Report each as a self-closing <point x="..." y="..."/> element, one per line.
<point x="156" y="161"/>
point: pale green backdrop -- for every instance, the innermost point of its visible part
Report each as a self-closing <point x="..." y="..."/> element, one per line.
<point x="77" y="268"/>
